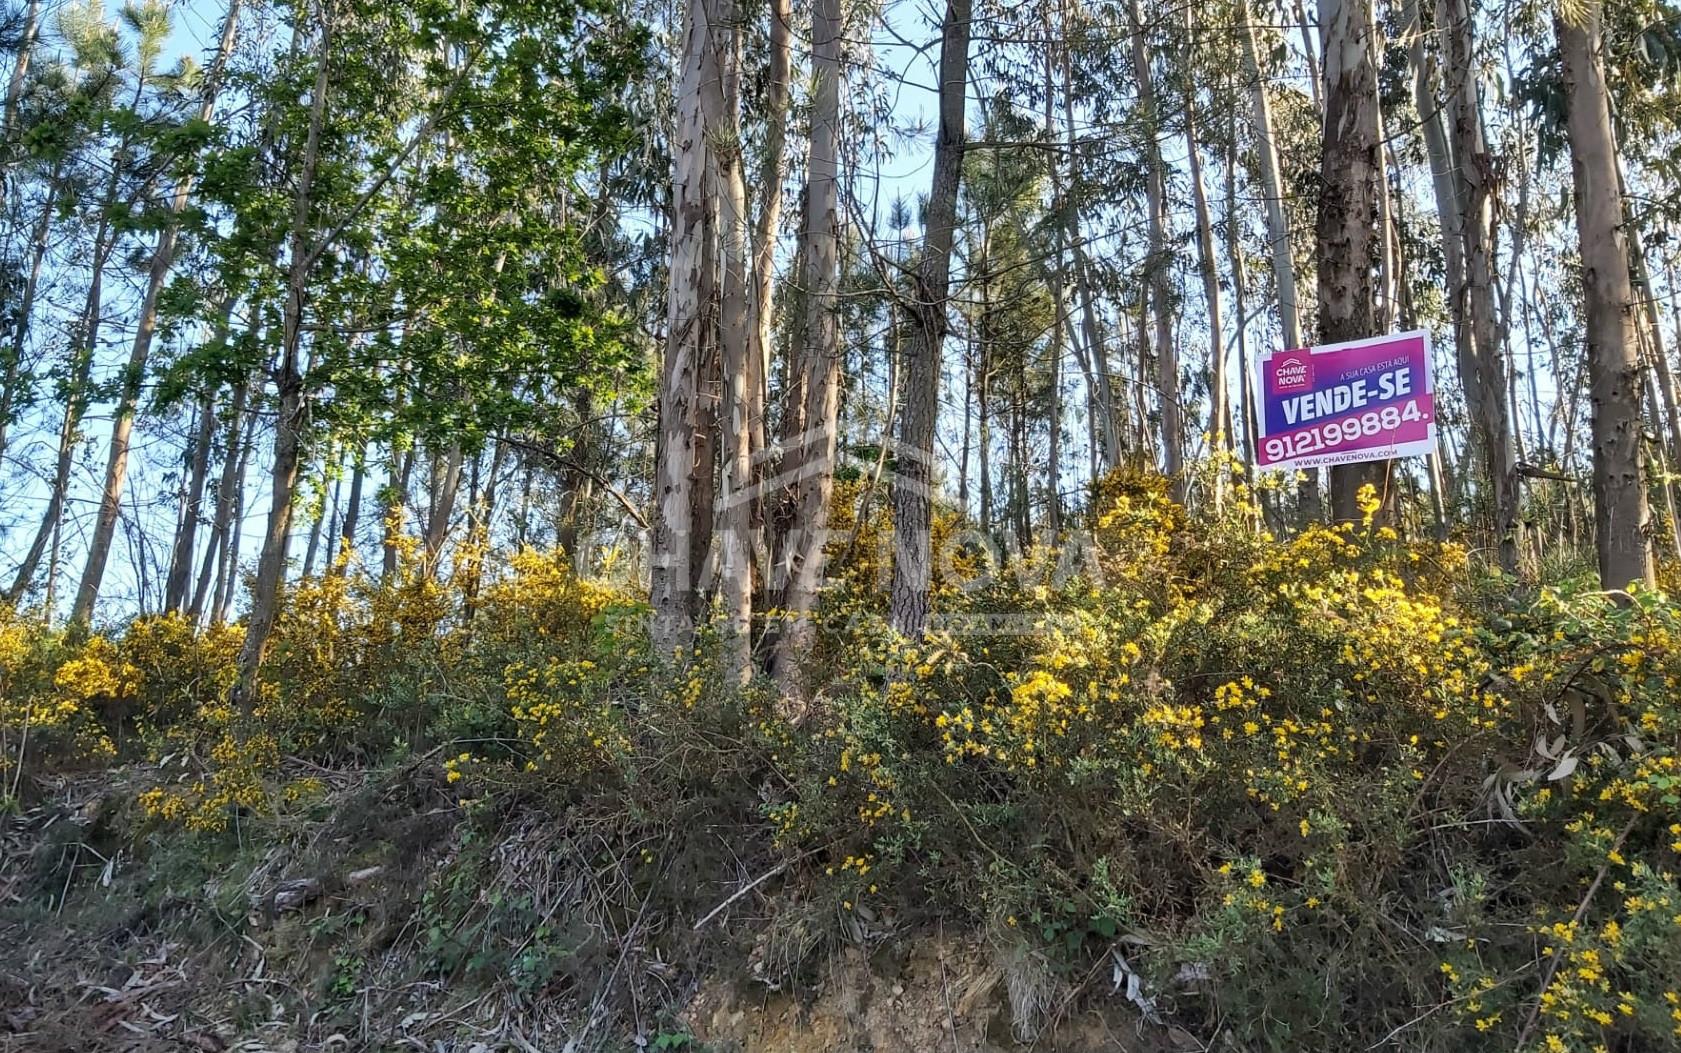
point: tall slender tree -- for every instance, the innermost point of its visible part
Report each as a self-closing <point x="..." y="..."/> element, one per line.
<point x="1622" y="518"/>
<point x="808" y="465"/>
<point x="128" y="396"/>
<point x="913" y="482"/>
<point x="1348" y="211"/>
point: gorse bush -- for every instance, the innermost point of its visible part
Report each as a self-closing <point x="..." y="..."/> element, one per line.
<point x="1322" y="792"/>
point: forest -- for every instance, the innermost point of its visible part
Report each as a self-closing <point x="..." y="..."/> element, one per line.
<point x="756" y="526"/>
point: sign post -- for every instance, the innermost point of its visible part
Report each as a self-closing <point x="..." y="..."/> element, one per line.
<point x="1365" y="400"/>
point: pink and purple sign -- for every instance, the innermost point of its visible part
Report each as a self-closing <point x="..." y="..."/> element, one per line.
<point x="1366" y="400"/>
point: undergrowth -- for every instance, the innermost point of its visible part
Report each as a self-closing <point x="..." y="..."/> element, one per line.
<point x="1323" y="792"/>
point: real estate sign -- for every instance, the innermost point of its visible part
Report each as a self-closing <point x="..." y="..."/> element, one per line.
<point x="1366" y="400"/>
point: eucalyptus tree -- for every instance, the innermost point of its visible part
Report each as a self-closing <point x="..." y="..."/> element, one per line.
<point x="1621" y="512"/>
<point x="1219" y="410"/>
<point x="1263" y="130"/>
<point x="1348" y="210"/>
<point x="682" y="465"/>
<point x="810" y="432"/>
<point x="1158" y="264"/>
<point x="1463" y="176"/>
<point x="913" y="482"/>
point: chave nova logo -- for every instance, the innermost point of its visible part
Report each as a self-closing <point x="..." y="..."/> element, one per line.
<point x="1292" y="371"/>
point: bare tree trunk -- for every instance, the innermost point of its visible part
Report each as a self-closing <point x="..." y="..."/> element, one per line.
<point x="1621" y="516"/>
<point x="483" y="507"/>
<point x="192" y="508"/>
<point x="346" y="544"/>
<point x="122" y="427"/>
<point x="225" y="487"/>
<point x="579" y="484"/>
<point x="14" y="86"/>
<point x="1309" y="53"/>
<point x="1482" y="358"/>
<point x="703" y="494"/>
<point x="681" y="443"/>
<point x="772" y="168"/>
<point x="913" y="483"/>
<point x="11" y="365"/>
<point x="1384" y="311"/>
<point x="446" y="486"/>
<point x="1278" y="228"/>
<point x="812" y="453"/>
<point x="1020" y="512"/>
<point x="326" y="524"/>
<point x="289" y="420"/>
<point x="1347" y="220"/>
<point x="1240" y="297"/>
<point x="1219" y="413"/>
<point x="84" y="343"/>
<point x="1666" y="404"/>
<point x="227" y="568"/>
<point x="983" y="386"/>
<point x="1095" y="356"/>
<point x="741" y="352"/>
<point x="1159" y="262"/>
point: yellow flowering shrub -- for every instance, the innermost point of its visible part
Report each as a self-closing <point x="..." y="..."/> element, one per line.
<point x="60" y="694"/>
<point x="1311" y="786"/>
<point x="1273" y="757"/>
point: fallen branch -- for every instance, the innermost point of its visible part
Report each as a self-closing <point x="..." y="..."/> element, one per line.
<point x="744" y="890"/>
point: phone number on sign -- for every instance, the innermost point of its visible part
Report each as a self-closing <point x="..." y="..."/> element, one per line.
<point x="1334" y="433"/>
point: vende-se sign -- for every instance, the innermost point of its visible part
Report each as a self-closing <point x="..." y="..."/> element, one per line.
<point x="1366" y="400"/>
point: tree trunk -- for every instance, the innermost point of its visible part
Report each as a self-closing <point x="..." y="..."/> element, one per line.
<point x="1278" y="228"/>
<point x="227" y="567"/>
<point x="812" y="473"/>
<point x="192" y="505"/>
<point x="680" y="440"/>
<point x="290" y="418"/>
<point x="446" y="486"/>
<point x="14" y="86"/>
<point x="326" y="522"/>
<point x="578" y="481"/>
<point x="1308" y="53"/>
<point x="914" y="481"/>
<point x="1621" y="515"/>
<point x="1347" y="221"/>
<point x="78" y="395"/>
<point x="772" y="168"/>
<point x="482" y="508"/>
<point x="346" y="546"/>
<point x="226" y="485"/>
<point x="709" y="377"/>
<point x="122" y="427"/>
<point x="1095" y="358"/>
<point x="983" y="390"/>
<point x="12" y="364"/>
<point x="1240" y="297"/>
<point x="1159" y="262"/>
<point x="1219" y="413"/>
<point x="740" y="343"/>
<point x="1665" y="407"/>
<point x="1482" y="357"/>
